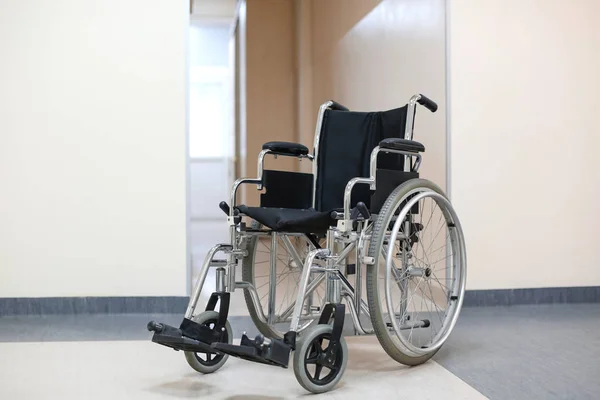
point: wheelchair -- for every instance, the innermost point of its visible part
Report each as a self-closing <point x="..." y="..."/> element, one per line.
<point x="362" y="219"/>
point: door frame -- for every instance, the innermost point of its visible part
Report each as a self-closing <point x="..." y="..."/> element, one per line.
<point x="228" y="78"/>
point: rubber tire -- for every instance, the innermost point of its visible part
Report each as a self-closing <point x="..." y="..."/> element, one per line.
<point x="304" y="342"/>
<point x="375" y="244"/>
<point x="191" y="356"/>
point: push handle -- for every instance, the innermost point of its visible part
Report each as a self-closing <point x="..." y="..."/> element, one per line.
<point x="224" y="207"/>
<point x="428" y="103"/>
<point x="337" y="106"/>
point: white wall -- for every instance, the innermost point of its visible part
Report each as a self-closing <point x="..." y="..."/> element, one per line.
<point x="525" y="136"/>
<point x="92" y="147"/>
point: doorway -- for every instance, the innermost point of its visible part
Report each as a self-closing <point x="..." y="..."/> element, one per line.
<point x="211" y="167"/>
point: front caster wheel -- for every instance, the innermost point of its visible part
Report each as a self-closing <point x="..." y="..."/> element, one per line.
<point x="207" y="363"/>
<point x="317" y="368"/>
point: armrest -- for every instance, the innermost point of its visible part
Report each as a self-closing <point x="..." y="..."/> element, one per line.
<point x="236" y="184"/>
<point x="402" y="144"/>
<point x="286" y="148"/>
<point x="405" y="147"/>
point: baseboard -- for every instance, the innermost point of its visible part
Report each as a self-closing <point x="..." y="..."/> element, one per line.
<point x="178" y="305"/>
<point x="92" y="305"/>
<point x="511" y="297"/>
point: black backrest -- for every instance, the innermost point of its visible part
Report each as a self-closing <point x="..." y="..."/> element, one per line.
<point x="345" y="144"/>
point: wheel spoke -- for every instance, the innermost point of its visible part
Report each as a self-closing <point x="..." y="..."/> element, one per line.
<point x="318" y="370"/>
<point x="313" y="354"/>
<point x="440" y="283"/>
<point x="436" y="235"/>
<point x="441" y="259"/>
<point x="429" y="220"/>
<point x="442" y="246"/>
<point x="282" y="277"/>
<point x="438" y="313"/>
<point x="312" y="360"/>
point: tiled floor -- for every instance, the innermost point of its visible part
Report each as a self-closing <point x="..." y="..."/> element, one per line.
<point x="524" y="352"/>
<point x="527" y="352"/>
<point x="142" y="370"/>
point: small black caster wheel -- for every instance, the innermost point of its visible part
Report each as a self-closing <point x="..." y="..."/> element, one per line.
<point x="207" y="363"/>
<point x="317" y="368"/>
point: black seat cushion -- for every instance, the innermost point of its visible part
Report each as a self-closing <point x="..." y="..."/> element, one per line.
<point x="294" y="149"/>
<point x="290" y="219"/>
<point x="402" y="144"/>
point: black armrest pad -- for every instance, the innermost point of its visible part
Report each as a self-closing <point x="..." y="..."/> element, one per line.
<point x="287" y="148"/>
<point x="402" y="145"/>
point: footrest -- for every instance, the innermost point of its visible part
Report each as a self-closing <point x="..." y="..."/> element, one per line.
<point x="173" y="337"/>
<point x="276" y="353"/>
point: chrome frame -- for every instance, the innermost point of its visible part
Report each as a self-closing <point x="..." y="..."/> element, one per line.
<point x="272" y="278"/>
<point x="411" y="112"/>
<point x="322" y="109"/>
<point x="208" y="262"/>
<point x="337" y="285"/>
<point x="410" y="124"/>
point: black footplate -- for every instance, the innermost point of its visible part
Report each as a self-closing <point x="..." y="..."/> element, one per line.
<point x="276" y="353"/>
<point x="192" y="336"/>
<point x="174" y="338"/>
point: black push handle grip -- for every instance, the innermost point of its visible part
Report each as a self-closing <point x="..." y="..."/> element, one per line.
<point x="428" y="103"/>
<point x="337" y="106"/>
<point x="224" y="207"/>
<point x="363" y="210"/>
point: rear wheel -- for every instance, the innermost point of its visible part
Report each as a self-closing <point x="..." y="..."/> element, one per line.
<point x="256" y="269"/>
<point x="416" y="285"/>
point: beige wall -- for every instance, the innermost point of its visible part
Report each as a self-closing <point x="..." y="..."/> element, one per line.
<point x="374" y="55"/>
<point x="395" y="51"/>
<point x="367" y="54"/>
<point x="289" y="51"/>
<point x="321" y="25"/>
<point x="525" y="174"/>
<point x="331" y="21"/>
<point x="524" y="89"/>
<point x="92" y="148"/>
<point x="270" y="76"/>
<point x="306" y="112"/>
